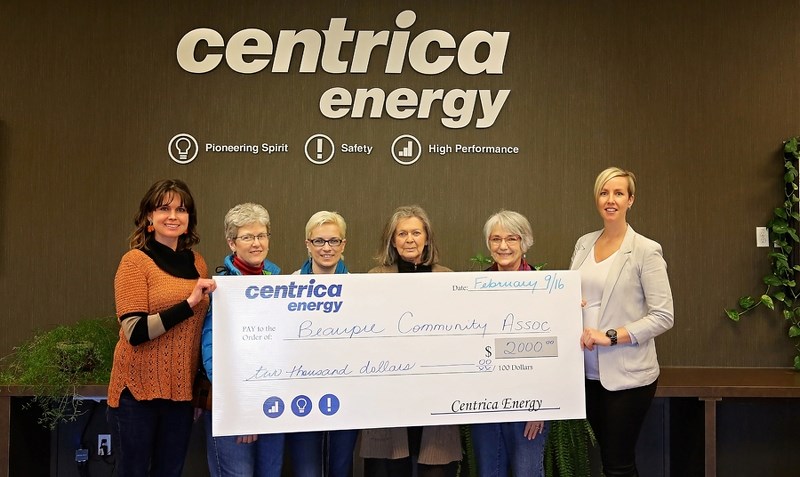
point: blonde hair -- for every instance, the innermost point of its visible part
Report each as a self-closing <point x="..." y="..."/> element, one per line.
<point x="611" y="173"/>
<point x="325" y="217"/>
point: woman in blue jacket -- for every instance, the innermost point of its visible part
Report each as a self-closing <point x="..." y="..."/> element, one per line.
<point x="247" y="230"/>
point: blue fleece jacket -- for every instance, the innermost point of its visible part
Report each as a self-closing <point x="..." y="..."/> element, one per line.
<point x="226" y="269"/>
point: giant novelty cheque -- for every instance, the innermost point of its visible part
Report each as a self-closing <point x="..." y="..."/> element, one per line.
<point x="322" y="352"/>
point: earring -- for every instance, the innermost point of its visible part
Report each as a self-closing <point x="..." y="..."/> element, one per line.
<point x="150" y="227"/>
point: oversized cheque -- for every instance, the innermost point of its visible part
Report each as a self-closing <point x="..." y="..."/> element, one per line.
<point x="315" y="352"/>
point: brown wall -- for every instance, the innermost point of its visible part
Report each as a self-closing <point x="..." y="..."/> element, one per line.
<point x="694" y="96"/>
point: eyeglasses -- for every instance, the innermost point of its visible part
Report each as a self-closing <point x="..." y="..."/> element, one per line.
<point x="320" y="242"/>
<point x="511" y="240"/>
<point x="248" y="238"/>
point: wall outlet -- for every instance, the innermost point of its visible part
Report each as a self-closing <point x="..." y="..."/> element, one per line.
<point x="104" y="444"/>
<point x="762" y="237"/>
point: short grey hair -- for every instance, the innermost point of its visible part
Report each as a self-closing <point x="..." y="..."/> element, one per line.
<point x="514" y="222"/>
<point x="325" y="217"/>
<point x="245" y="214"/>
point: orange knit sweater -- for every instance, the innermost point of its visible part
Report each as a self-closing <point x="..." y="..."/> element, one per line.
<point x="165" y="367"/>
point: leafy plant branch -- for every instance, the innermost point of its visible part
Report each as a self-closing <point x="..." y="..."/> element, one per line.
<point x="781" y="291"/>
<point x="54" y="363"/>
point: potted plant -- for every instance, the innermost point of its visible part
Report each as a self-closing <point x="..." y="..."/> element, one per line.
<point x="52" y="365"/>
<point x="566" y="453"/>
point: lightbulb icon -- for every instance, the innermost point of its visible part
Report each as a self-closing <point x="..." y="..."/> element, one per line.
<point x="186" y="146"/>
<point x="301" y="405"/>
<point x="182" y="145"/>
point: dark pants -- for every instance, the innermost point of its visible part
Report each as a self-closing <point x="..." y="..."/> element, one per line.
<point x="405" y="468"/>
<point x="311" y="451"/>
<point x="616" y="418"/>
<point x="305" y="448"/>
<point x="151" y="437"/>
<point x="341" y="445"/>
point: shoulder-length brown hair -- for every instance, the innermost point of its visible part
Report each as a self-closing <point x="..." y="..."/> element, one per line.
<point x="387" y="255"/>
<point x="160" y="193"/>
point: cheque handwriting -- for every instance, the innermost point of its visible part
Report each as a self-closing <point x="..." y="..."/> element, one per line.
<point x="263" y="374"/>
<point x="386" y="367"/>
<point x="550" y="283"/>
<point x="308" y="330"/>
<point x="406" y="325"/>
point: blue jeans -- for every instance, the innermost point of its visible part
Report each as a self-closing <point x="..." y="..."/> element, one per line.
<point x="227" y="458"/>
<point x="341" y="445"/>
<point x="308" y="457"/>
<point x="151" y="437"/>
<point x="499" y="446"/>
<point x="305" y="449"/>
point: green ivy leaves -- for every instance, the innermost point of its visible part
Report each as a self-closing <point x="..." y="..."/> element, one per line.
<point x="781" y="292"/>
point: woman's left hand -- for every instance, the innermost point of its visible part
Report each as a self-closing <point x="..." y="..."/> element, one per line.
<point x="246" y="439"/>
<point x="203" y="287"/>
<point x="533" y="429"/>
<point x="592" y="337"/>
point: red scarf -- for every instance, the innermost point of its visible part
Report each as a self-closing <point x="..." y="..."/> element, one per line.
<point x="247" y="269"/>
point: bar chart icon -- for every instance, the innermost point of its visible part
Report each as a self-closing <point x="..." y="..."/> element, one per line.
<point x="406" y="150"/>
<point x="273" y="407"/>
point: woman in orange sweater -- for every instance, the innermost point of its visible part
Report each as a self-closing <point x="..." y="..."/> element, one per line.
<point x="161" y="290"/>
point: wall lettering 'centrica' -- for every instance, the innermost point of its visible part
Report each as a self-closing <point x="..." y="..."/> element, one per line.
<point x="430" y="52"/>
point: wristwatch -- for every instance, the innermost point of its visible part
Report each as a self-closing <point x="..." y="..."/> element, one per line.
<point x="612" y="335"/>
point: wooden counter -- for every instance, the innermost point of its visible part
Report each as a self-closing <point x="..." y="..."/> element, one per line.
<point x="709" y="385"/>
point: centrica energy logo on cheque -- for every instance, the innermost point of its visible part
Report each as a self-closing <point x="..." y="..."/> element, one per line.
<point x="311" y="296"/>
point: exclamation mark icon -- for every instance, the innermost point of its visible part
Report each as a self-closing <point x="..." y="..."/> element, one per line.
<point x="329" y="404"/>
<point x="319" y="149"/>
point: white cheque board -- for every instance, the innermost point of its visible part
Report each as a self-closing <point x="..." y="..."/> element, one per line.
<point x="320" y="352"/>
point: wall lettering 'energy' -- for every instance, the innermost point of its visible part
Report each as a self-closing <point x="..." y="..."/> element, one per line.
<point x="430" y="52"/>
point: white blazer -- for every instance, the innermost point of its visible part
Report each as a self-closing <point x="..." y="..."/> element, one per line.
<point x="637" y="297"/>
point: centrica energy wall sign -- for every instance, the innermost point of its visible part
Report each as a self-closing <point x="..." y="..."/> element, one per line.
<point x="431" y="52"/>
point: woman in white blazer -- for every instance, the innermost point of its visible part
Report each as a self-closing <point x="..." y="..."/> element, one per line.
<point x="628" y="302"/>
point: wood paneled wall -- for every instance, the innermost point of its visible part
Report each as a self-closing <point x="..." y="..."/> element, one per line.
<point x="694" y="96"/>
